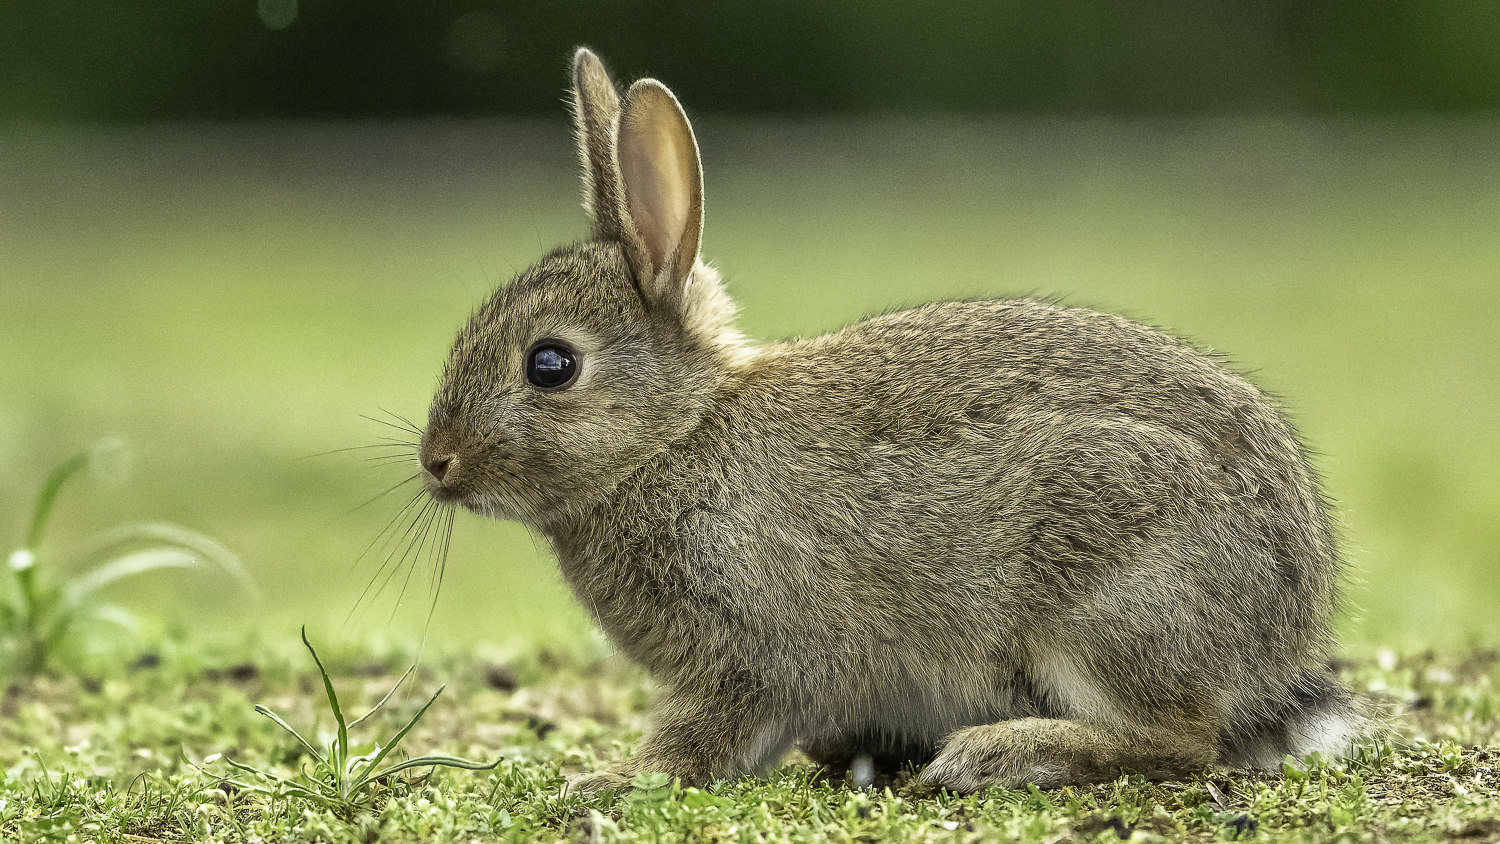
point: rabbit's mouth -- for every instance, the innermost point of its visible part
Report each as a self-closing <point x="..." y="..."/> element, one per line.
<point x="452" y="474"/>
<point x="441" y="493"/>
<point x="484" y="478"/>
<point x="490" y="506"/>
<point x="494" y="504"/>
<point x="446" y="494"/>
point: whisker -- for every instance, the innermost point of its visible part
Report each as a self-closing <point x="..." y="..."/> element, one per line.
<point x="414" y="551"/>
<point x="404" y="543"/>
<point x="440" y="567"/>
<point x="419" y="534"/>
<point x="391" y="526"/>
<point x="440" y="560"/>
<point x="408" y="447"/>
<point x="390" y="535"/>
<point x="414" y="538"/>
<point x="391" y="459"/>
<point x="415" y="432"/>
<point x="376" y="460"/>
<point x="407" y="422"/>
<point x="399" y="441"/>
<point x="406" y="425"/>
<point x="392" y="564"/>
<point x="379" y="496"/>
<point x="386" y="421"/>
<point x="389" y="443"/>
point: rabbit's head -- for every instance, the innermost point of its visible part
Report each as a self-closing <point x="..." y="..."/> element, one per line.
<point x="601" y="354"/>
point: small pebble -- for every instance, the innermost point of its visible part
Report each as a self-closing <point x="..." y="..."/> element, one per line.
<point x="862" y="771"/>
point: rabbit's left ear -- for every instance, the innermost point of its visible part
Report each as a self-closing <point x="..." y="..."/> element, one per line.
<point x="663" y="181"/>
<point x="596" y="112"/>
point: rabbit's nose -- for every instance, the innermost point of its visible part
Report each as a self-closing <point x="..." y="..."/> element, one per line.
<point x="438" y="466"/>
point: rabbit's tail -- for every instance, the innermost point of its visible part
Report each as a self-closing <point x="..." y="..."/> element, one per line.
<point x="1319" y="715"/>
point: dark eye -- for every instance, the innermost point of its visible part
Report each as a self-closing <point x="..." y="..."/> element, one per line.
<point x="551" y="365"/>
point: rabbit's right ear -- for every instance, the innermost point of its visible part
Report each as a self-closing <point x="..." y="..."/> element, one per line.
<point x="659" y="169"/>
<point x="596" y="119"/>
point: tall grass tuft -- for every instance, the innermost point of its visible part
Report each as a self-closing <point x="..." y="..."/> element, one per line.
<point x="42" y="609"/>
<point x="341" y="779"/>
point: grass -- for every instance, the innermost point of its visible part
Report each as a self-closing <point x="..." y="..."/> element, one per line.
<point x="114" y="759"/>
<point x="44" y="618"/>
<point x="341" y="779"/>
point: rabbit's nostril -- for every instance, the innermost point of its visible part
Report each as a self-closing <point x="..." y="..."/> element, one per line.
<point x="438" y="466"/>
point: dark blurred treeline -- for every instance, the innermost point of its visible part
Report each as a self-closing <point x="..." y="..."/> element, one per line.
<point x="155" y="59"/>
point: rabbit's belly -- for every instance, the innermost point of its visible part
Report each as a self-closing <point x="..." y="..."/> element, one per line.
<point x="919" y="704"/>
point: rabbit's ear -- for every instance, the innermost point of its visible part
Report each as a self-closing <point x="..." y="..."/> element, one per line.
<point x="596" y="114"/>
<point x="658" y="161"/>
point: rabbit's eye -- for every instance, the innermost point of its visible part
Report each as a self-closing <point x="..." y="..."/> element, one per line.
<point x="551" y="365"/>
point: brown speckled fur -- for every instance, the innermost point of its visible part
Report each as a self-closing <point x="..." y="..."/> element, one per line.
<point x="1022" y="541"/>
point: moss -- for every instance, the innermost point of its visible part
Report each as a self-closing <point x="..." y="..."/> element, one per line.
<point x="108" y="761"/>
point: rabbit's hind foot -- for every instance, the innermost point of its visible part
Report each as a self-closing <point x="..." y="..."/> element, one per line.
<point x="1052" y="753"/>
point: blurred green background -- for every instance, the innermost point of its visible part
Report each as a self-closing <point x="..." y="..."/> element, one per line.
<point x="284" y="58"/>
<point x="230" y="231"/>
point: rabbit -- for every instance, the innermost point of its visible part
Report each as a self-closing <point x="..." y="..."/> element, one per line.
<point x="1012" y="540"/>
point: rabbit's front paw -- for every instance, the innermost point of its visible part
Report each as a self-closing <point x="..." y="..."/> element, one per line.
<point x="1007" y="755"/>
<point x="595" y="783"/>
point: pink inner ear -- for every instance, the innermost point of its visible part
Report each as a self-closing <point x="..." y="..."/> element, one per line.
<point x="656" y="164"/>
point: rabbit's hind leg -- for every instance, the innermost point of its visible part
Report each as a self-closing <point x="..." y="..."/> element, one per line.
<point x="1054" y="752"/>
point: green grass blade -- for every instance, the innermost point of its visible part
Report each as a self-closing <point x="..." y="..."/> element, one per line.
<point x="163" y="534"/>
<point x="376" y="707"/>
<point x="116" y="615"/>
<point x="279" y="784"/>
<point x="437" y="759"/>
<point x="282" y="785"/>
<point x="341" y="748"/>
<point x="306" y="793"/>
<point x="130" y="565"/>
<point x="250" y="786"/>
<point x="62" y="621"/>
<point x="75" y="594"/>
<point x="48" y="497"/>
<point x="359" y="764"/>
<point x="288" y="727"/>
<point x="250" y="769"/>
<point x="394" y="742"/>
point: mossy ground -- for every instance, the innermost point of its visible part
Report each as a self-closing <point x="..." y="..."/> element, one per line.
<point x="121" y="759"/>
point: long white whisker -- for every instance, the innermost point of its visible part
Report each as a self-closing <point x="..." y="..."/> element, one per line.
<point x="390" y="536"/>
<point x="440" y="567"/>
<point x="413" y="553"/>
<point x="388" y="533"/>
<point x="379" y="496"/>
<point x="408" y="539"/>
